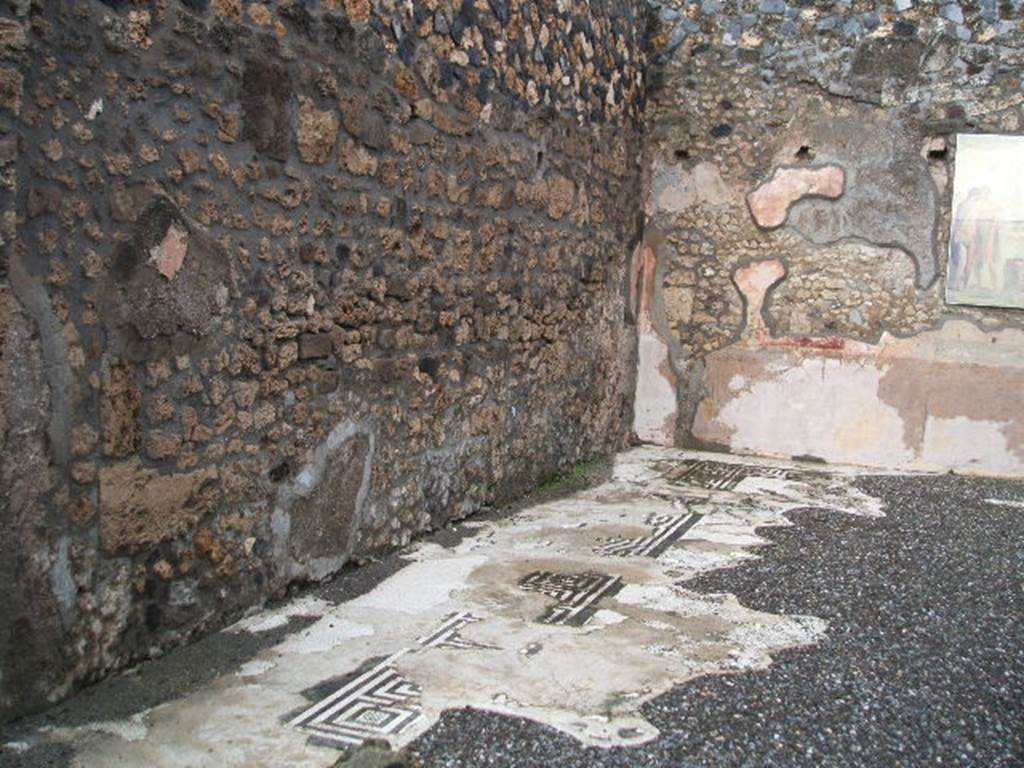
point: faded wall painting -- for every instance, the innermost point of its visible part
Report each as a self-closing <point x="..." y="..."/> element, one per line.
<point x="986" y="241"/>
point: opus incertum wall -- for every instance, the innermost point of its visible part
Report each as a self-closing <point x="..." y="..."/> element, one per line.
<point x="284" y="283"/>
<point x="799" y="207"/>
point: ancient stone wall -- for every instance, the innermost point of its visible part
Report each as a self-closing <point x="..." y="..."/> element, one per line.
<point x="801" y="161"/>
<point x="284" y="283"/>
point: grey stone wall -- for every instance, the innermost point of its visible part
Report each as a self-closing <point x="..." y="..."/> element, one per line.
<point x="284" y="283"/>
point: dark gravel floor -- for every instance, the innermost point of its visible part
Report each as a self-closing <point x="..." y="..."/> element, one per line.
<point x="923" y="665"/>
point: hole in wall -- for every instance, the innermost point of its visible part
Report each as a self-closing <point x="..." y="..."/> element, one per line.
<point x="938" y="154"/>
<point x="540" y="157"/>
<point x="429" y="365"/>
<point x="805" y="153"/>
<point x="280" y="472"/>
<point x="153" y="617"/>
<point x="681" y="154"/>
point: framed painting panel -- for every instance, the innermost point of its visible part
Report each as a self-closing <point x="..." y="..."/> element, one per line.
<point x="986" y="239"/>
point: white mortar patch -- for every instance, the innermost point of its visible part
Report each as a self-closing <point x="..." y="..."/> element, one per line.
<point x="255" y="668"/>
<point x="264" y="621"/>
<point x="325" y="634"/>
<point x="421" y="585"/>
<point x="131" y="730"/>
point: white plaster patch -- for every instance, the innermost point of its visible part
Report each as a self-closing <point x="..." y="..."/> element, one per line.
<point x="266" y="620"/>
<point x="822" y="407"/>
<point x="94" y="110"/>
<point x="261" y="623"/>
<point x="607" y="617"/>
<point x="967" y="443"/>
<point x="697" y="560"/>
<point x="325" y="634"/>
<point x="133" y="729"/>
<point x="655" y="406"/>
<point x="420" y="586"/>
<point x="255" y="668"/>
<point x="676" y="189"/>
<point x="755" y="642"/>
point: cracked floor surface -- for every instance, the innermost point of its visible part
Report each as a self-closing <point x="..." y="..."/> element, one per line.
<point x="607" y="629"/>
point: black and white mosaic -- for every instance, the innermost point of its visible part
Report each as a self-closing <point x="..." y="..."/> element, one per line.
<point x="578" y="594"/>
<point x="724" y="476"/>
<point x="376" y="704"/>
<point x="667" y="530"/>
<point x="447" y="635"/>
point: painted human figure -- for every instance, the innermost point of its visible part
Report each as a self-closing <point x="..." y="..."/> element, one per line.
<point x="974" y="251"/>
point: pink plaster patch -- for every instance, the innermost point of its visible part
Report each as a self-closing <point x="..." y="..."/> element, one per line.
<point x="654" y="407"/>
<point x="169" y="255"/>
<point x="753" y="282"/>
<point x="770" y="203"/>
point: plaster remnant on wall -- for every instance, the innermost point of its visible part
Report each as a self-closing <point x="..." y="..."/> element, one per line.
<point x="675" y="189"/>
<point x="770" y="203"/>
<point x="167" y="315"/>
<point x="28" y="295"/>
<point x="942" y="400"/>
<point x="654" y="419"/>
<point x="811" y="406"/>
<point x="62" y="579"/>
<point x="94" y="110"/>
<point x="890" y="201"/>
<point x="754" y="281"/>
<point x="965" y="442"/>
<point x="316" y="516"/>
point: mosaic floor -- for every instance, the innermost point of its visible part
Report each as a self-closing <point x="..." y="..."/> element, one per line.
<point x="572" y="613"/>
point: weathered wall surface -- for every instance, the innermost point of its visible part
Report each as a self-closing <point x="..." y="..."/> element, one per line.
<point x="801" y="159"/>
<point x="284" y="283"/>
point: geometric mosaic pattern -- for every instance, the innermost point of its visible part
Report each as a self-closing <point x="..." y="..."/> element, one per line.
<point x="447" y="635"/>
<point x="380" y="702"/>
<point x="667" y="529"/>
<point x="377" y="703"/>
<point x="721" y="475"/>
<point x="577" y="594"/>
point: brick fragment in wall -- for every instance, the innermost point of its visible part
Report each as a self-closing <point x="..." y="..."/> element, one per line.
<point x="141" y="507"/>
<point x="317" y="132"/>
<point x="266" y="90"/>
<point x="11" y="85"/>
<point x="314" y="345"/>
<point x="119" y="411"/>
